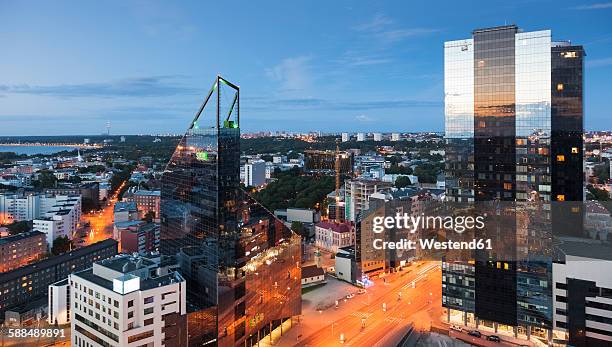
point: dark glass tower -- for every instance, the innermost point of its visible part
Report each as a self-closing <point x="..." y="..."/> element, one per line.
<point x="242" y="265"/>
<point x="514" y="126"/>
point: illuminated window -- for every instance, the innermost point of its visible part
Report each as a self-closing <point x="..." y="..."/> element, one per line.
<point x="575" y="209"/>
<point x="560" y="197"/>
<point x="498" y="265"/>
<point x="560" y="157"/>
<point x="506" y="266"/>
<point x="507" y="186"/>
<point x="569" y="54"/>
<point x="574" y="150"/>
<point x="560" y="86"/>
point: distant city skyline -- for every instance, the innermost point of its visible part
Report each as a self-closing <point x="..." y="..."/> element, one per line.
<point x="69" y="68"/>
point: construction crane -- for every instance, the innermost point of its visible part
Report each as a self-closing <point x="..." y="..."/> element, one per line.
<point x="337" y="166"/>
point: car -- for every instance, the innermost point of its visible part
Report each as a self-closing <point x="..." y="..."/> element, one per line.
<point x="493" y="338"/>
<point x="455" y="327"/>
<point x="351" y="295"/>
<point x="474" y="333"/>
<point x="362" y="291"/>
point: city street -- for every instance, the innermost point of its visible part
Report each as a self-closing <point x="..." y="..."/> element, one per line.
<point x="379" y="317"/>
<point x="100" y="222"/>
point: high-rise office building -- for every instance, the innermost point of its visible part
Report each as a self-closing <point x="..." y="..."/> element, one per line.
<point x="361" y="137"/>
<point x="345" y="137"/>
<point x="377" y="137"/>
<point x="241" y="264"/>
<point x="513" y="132"/>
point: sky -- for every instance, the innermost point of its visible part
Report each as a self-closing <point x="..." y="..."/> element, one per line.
<point x="69" y="67"/>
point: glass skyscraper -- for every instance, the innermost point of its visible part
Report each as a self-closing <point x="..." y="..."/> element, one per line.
<point x="242" y="265"/>
<point x="513" y="132"/>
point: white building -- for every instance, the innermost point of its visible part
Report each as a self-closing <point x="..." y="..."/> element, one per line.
<point x="395" y="137"/>
<point x="377" y="137"/>
<point x="128" y="301"/>
<point x="360" y="136"/>
<point x="59" y="303"/>
<point x="61" y="219"/>
<point x="357" y="195"/>
<point x="331" y="236"/>
<point x="255" y="173"/>
<point x="18" y="207"/>
<point x="312" y="275"/>
<point x="582" y="294"/>
<point x="345" y="137"/>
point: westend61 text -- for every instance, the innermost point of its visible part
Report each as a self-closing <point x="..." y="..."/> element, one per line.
<point x="432" y="244"/>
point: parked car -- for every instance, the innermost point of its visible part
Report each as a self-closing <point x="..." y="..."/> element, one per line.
<point x="351" y="295"/>
<point x="493" y="338"/>
<point x="474" y="333"/>
<point x="362" y="291"/>
<point x="455" y="327"/>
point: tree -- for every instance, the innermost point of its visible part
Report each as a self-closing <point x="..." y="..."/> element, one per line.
<point x="402" y="181"/>
<point x="297" y="227"/>
<point x="61" y="245"/>
<point x="46" y="179"/>
<point x="149" y="216"/>
<point x="597" y="194"/>
<point x="18" y="227"/>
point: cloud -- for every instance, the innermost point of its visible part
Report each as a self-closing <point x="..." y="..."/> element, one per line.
<point x="599" y="62"/>
<point x="378" y="23"/>
<point x="292" y="74"/>
<point x="301" y="104"/>
<point x="363" y="118"/>
<point x="384" y="29"/>
<point x="598" y="6"/>
<point x="153" y="86"/>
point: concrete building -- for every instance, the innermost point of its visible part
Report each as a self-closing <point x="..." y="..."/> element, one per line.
<point x="357" y="194"/>
<point x="29" y="206"/>
<point x="147" y="201"/>
<point x="345" y="137"/>
<point x="21" y="249"/>
<point x="125" y="211"/>
<point x="59" y="303"/>
<point x="137" y="236"/>
<point x="361" y="137"/>
<point x="395" y="137"/>
<point x="346" y="265"/>
<point x="377" y="137"/>
<point x="331" y="236"/>
<point x="255" y="173"/>
<point x="31" y="282"/>
<point x="128" y="301"/>
<point x="582" y="294"/>
<point x="63" y="219"/>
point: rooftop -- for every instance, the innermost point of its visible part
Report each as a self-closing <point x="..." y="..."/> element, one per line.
<point x="123" y="206"/>
<point x="336" y="227"/>
<point x="312" y="271"/>
<point x="19" y="237"/>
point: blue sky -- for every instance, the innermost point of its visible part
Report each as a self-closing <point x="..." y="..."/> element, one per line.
<point x="68" y="67"/>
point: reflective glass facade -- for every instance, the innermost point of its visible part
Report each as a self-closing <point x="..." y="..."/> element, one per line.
<point x="242" y="265"/>
<point x="516" y="136"/>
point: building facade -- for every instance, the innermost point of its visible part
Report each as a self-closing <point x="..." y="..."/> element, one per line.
<point x="513" y="133"/>
<point x="22" y="249"/>
<point x="255" y="173"/>
<point x="31" y="282"/>
<point x="331" y="235"/>
<point x="128" y="301"/>
<point x="241" y="264"/>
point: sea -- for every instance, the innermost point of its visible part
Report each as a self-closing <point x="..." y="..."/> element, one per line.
<point x="33" y="150"/>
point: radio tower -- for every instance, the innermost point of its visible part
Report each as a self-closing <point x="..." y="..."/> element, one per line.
<point x="107" y="128"/>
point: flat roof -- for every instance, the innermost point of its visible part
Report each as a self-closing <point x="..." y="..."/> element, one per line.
<point x="55" y="260"/>
<point x="18" y="237"/>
